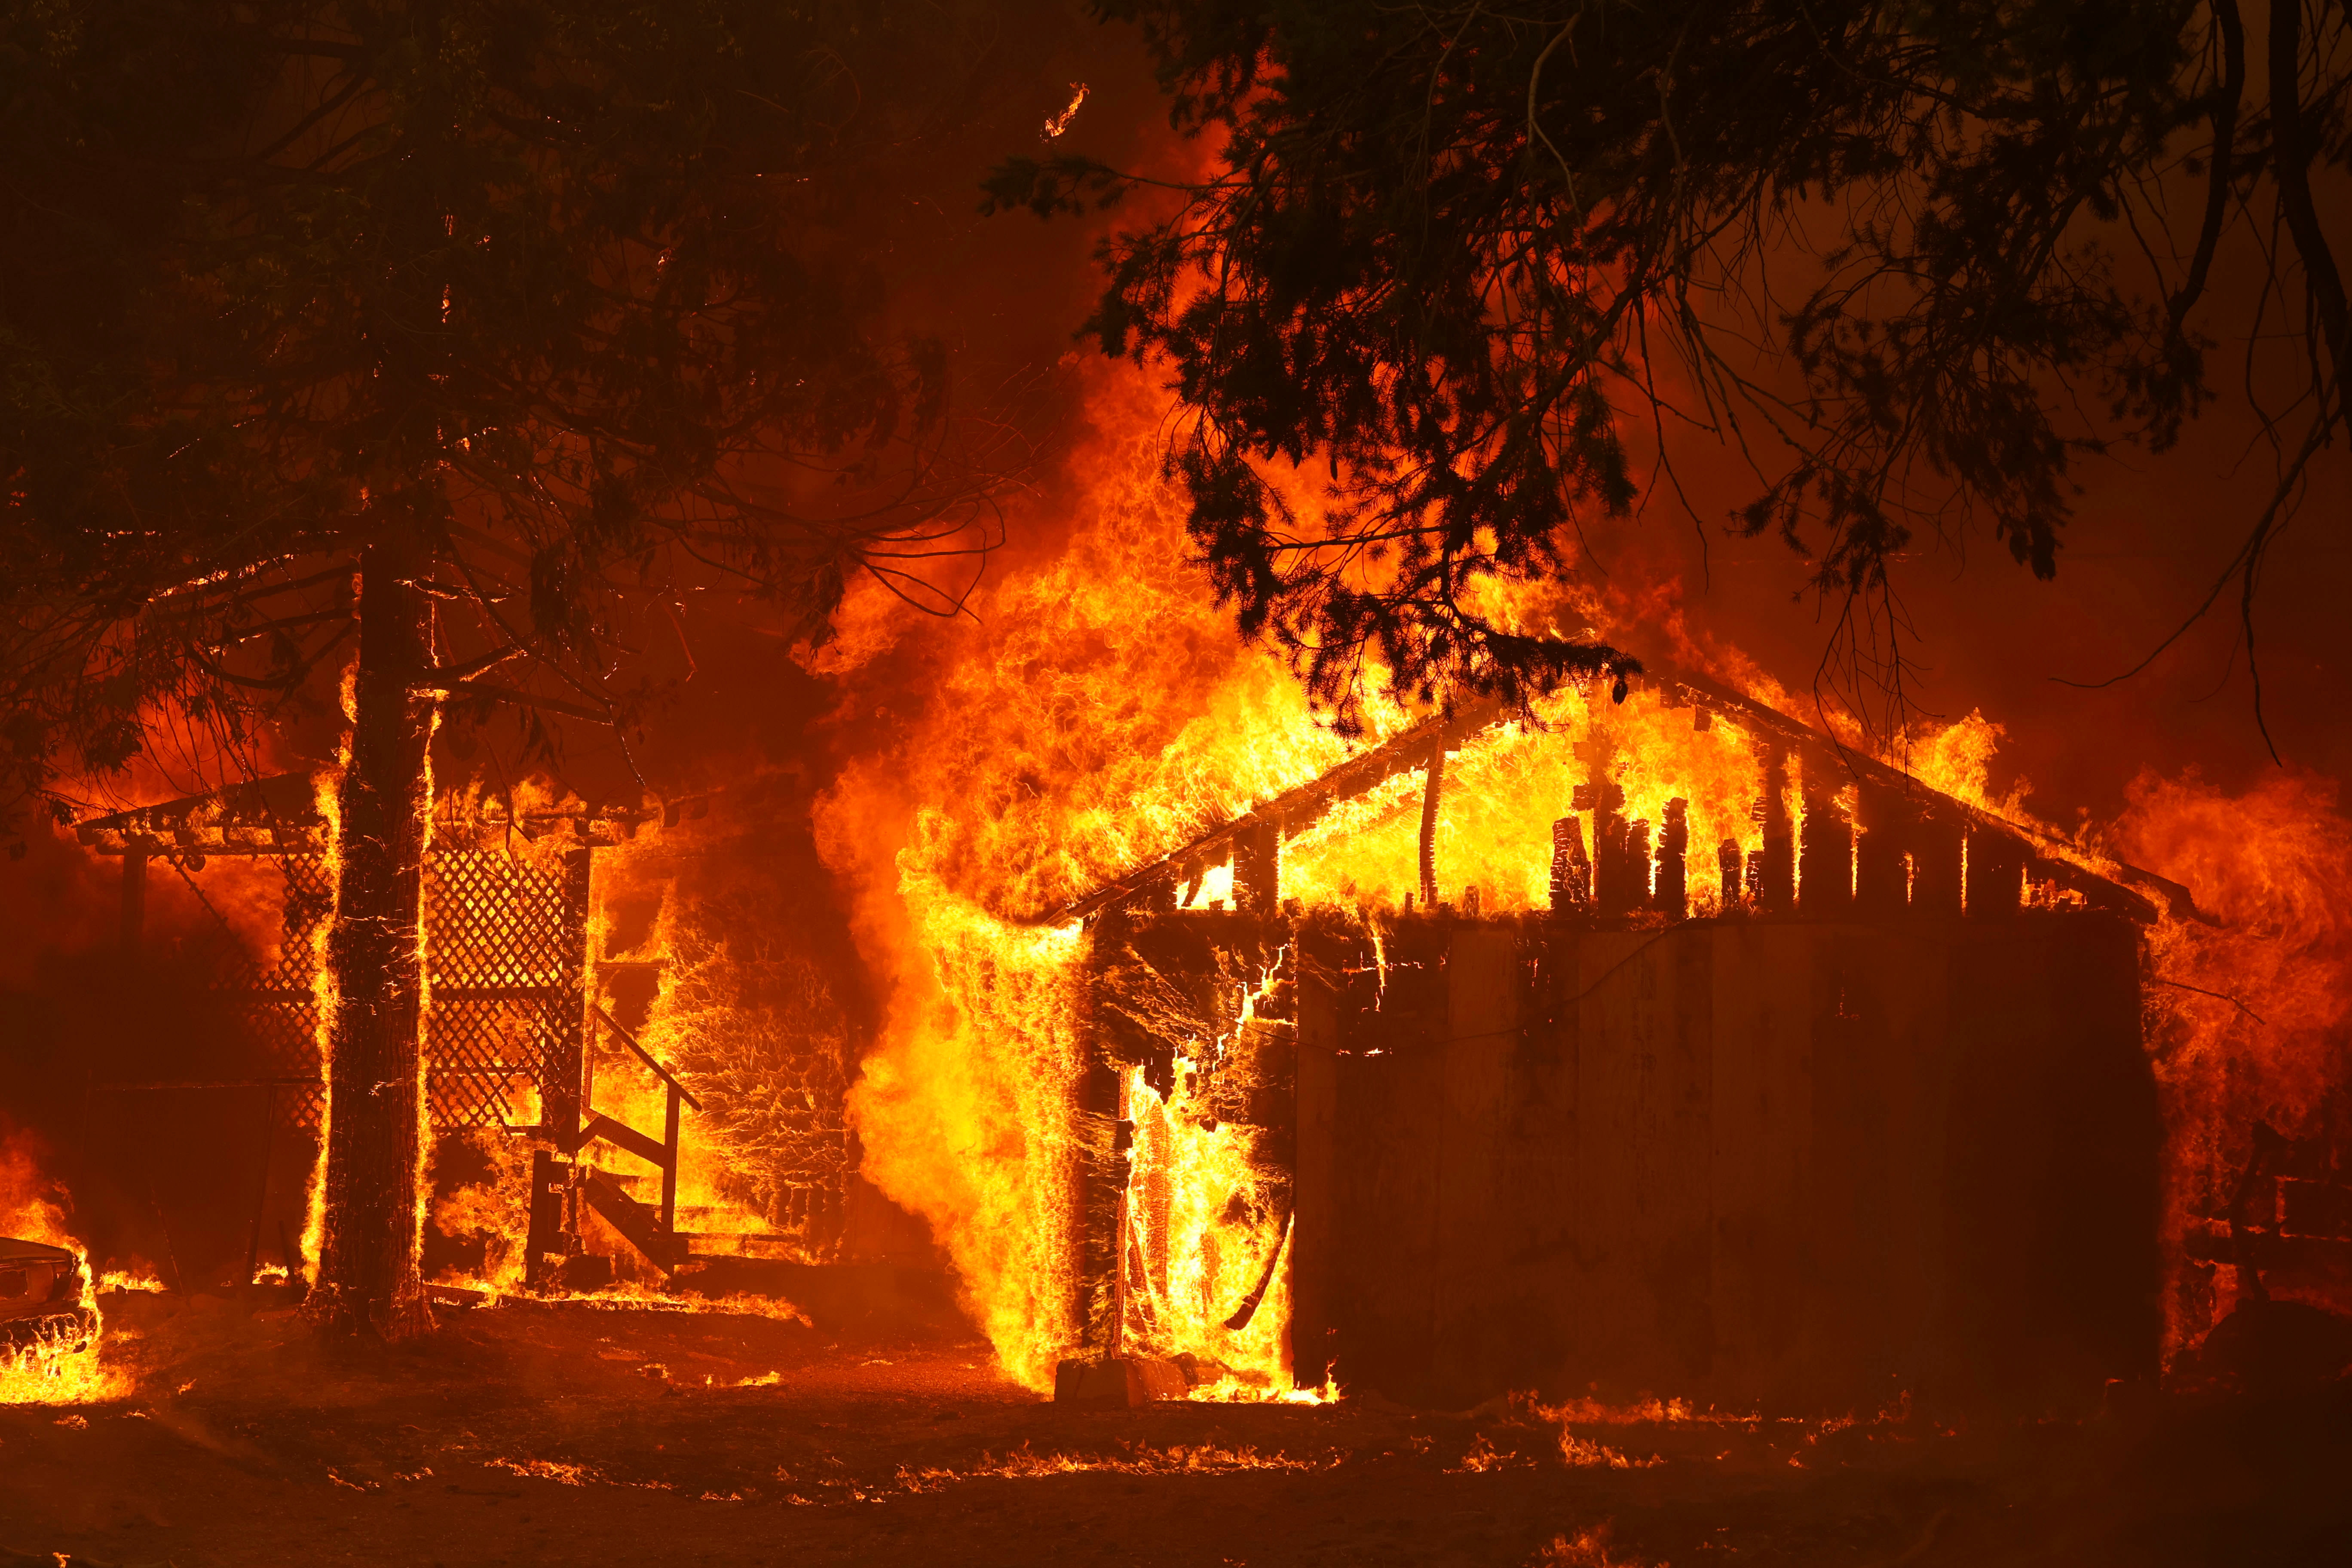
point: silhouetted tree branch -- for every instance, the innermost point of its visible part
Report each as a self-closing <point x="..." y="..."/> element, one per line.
<point x="1912" y="263"/>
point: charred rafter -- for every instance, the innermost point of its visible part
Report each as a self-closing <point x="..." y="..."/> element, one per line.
<point x="1294" y="809"/>
<point x="1890" y="795"/>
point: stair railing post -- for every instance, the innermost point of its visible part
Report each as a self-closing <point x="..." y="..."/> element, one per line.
<point x="669" y="1163"/>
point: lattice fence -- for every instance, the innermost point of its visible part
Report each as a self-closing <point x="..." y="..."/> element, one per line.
<point x="272" y="996"/>
<point x="505" y="940"/>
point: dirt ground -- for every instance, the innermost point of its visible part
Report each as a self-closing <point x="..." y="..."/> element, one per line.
<point x="532" y="1433"/>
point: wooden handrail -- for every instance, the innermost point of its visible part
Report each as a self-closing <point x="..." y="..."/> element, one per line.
<point x="645" y="1056"/>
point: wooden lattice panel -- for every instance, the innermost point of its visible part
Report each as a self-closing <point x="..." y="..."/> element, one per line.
<point x="503" y="940"/>
<point x="273" y="995"/>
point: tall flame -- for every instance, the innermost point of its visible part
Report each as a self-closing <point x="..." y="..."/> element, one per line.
<point x="50" y="1372"/>
<point x="2248" y="1018"/>
<point x="326" y="789"/>
<point x="1101" y="712"/>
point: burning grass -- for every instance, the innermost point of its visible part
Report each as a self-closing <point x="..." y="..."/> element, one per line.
<point x="1132" y="1460"/>
<point x="557" y="1470"/>
<point x="1589" y="1549"/>
<point x="137" y="1276"/>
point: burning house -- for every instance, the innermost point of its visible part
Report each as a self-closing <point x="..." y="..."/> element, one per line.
<point x="1657" y="1044"/>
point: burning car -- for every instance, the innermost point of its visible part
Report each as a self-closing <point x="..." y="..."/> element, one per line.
<point x="41" y="1295"/>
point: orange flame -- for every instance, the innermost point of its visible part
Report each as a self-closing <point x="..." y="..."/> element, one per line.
<point x="51" y="1371"/>
<point x="1102" y="713"/>
<point x="2247" y="1019"/>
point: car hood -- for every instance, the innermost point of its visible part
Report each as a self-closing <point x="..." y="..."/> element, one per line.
<point x="15" y="1251"/>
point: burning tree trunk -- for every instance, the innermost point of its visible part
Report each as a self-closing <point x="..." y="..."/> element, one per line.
<point x="367" y="1275"/>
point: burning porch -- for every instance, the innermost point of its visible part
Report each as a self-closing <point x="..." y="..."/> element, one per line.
<point x="564" y="1154"/>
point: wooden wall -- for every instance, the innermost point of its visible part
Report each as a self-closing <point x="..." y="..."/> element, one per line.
<point x="1797" y="1166"/>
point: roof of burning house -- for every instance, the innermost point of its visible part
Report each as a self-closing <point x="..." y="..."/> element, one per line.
<point x="2127" y="889"/>
<point x="280" y="816"/>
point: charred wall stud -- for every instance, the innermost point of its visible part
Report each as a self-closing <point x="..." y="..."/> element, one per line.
<point x="1258" y="869"/>
<point x="1996" y="873"/>
<point x="1571" y="868"/>
<point x="1825" y="849"/>
<point x="1881" y="847"/>
<point x="1775" y="875"/>
<point x="1672" y="892"/>
<point x="1433" y="790"/>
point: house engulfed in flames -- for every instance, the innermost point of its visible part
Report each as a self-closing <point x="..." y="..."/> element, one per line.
<point x="1660" y="1044"/>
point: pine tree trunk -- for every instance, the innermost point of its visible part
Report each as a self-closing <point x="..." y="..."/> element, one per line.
<point x="367" y="1281"/>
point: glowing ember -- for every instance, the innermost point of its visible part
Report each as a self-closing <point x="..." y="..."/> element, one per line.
<point x="1589" y="1549"/>
<point x="1057" y="124"/>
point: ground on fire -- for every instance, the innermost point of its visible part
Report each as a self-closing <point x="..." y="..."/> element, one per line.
<point x="569" y="1434"/>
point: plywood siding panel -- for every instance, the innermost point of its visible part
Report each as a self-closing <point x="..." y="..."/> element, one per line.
<point x="1897" y="985"/>
<point x="1761" y="1138"/>
<point x="1476" y="1218"/>
<point x="1865" y="1161"/>
<point x="1540" y="1141"/>
<point x="1316" y="1197"/>
<point x="1390" y="1078"/>
<point x="1797" y="1165"/>
<point x="1644" y="1158"/>
<point x="2051" y="1164"/>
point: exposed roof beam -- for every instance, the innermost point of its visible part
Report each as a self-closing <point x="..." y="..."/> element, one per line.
<point x="1409" y="750"/>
